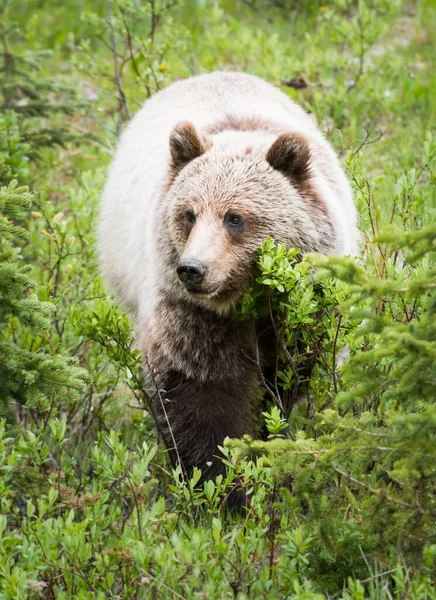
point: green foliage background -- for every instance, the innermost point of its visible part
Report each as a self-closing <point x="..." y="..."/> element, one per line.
<point x="342" y="494"/>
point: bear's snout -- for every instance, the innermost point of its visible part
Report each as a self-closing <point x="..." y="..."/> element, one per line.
<point x="191" y="272"/>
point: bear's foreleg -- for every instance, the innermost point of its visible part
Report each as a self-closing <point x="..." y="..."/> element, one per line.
<point x="194" y="419"/>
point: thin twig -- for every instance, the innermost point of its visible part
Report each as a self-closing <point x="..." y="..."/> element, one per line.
<point x="123" y="104"/>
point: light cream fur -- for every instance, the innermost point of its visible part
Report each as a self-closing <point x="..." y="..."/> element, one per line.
<point x="139" y="173"/>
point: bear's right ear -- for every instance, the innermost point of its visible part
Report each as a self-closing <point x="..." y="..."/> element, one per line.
<point x="185" y="145"/>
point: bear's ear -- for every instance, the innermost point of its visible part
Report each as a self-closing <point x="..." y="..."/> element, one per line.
<point x="185" y="145"/>
<point x="290" y="154"/>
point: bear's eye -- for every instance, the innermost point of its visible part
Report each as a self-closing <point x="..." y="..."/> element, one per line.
<point x="233" y="220"/>
<point x="189" y="217"/>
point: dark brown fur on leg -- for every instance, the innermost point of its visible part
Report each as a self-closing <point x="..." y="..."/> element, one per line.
<point x="195" y="418"/>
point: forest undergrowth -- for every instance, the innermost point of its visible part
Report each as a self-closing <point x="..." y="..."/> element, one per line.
<point x="341" y="493"/>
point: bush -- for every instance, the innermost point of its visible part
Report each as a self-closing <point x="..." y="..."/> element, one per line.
<point x="341" y="493"/>
<point x="28" y="374"/>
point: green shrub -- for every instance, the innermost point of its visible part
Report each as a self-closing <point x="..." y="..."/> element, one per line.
<point x="341" y="494"/>
<point x="28" y="375"/>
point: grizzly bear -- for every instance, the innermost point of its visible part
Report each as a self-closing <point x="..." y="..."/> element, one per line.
<point x="205" y="171"/>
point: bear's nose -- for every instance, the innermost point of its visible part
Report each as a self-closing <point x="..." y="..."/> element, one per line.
<point x="191" y="271"/>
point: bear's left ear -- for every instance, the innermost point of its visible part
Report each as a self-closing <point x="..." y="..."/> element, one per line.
<point x="185" y="145"/>
<point x="290" y="154"/>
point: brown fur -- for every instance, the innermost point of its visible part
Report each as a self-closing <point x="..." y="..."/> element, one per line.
<point x="290" y="154"/>
<point x="207" y="379"/>
<point x="205" y="362"/>
<point x="199" y="343"/>
<point x="199" y="416"/>
<point x="185" y="146"/>
<point x="186" y="207"/>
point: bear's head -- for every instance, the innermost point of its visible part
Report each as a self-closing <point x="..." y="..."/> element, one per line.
<point x="227" y="194"/>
